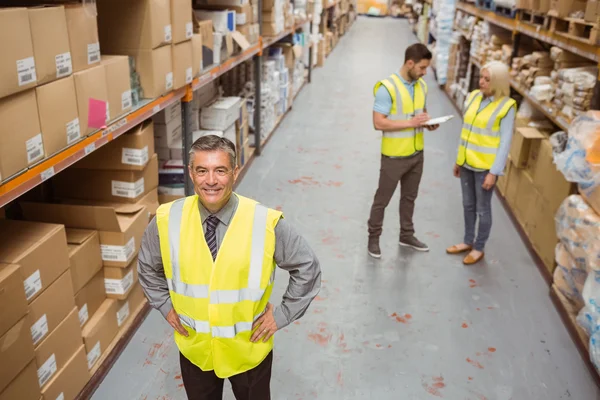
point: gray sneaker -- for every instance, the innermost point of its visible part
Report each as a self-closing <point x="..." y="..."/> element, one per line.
<point x="373" y="248"/>
<point x="414" y="243"/>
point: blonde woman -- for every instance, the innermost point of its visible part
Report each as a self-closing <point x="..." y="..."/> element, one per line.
<point x="484" y="145"/>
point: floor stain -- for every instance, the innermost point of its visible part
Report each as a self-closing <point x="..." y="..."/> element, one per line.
<point x="402" y="318"/>
<point x="475" y="363"/>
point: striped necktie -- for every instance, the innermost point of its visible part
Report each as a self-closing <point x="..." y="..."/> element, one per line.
<point x="211" y="235"/>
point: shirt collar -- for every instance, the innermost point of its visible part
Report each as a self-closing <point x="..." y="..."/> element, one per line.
<point x="225" y="214"/>
<point x="406" y="83"/>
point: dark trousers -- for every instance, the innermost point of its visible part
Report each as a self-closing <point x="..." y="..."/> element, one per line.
<point x="408" y="172"/>
<point x="250" y="385"/>
<point x="477" y="205"/>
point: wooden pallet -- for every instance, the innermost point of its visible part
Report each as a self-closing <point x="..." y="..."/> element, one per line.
<point x="508" y="12"/>
<point x="576" y="29"/>
<point x="535" y="19"/>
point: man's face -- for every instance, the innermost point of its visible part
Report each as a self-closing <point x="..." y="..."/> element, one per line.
<point x="213" y="177"/>
<point x="418" y="70"/>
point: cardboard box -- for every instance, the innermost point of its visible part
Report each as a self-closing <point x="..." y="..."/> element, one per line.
<point x="205" y="29"/>
<point x="118" y="85"/>
<point x="197" y="54"/>
<point x="58" y="348"/>
<point x="221" y="114"/>
<point x="84" y="256"/>
<point x="108" y="186"/>
<point x="17" y="64"/>
<point x="83" y="35"/>
<point x="169" y="114"/>
<point x="155" y="68"/>
<point x="542" y="231"/>
<point x="21" y="141"/>
<point x="243" y="13"/>
<point x="118" y="282"/>
<point x="521" y="143"/>
<point x="222" y="21"/>
<point x="168" y="198"/>
<point x="168" y="135"/>
<point x="24" y="387"/>
<point x="182" y="64"/>
<point x="272" y="28"/>
<point x="181" y="20"/>
<point x="50" y="40"/>
<point x="13" y="304"/>
<point x="90" y="297"/>
<point x="47" y="311"/>
<point x="59" y="118"/>
<point x="563" y="8"/>
<point x="90" y="84"/>
<point x="550" y="182"/>
<point x="40" y="250"/>
<point x="150" y="201"/>
<point x="126" y="308"/>
<point x="592" y="199"/>
<point x="16" y="346"/>
<point x="100" y="331"/>
<point x="592" y="10"/>
<point x="120" y="227"/>
<point x="70" y="380"/>
<point x="502" y="182"/>
<point x="134" y="25"/>
<point x="130" y="151"/>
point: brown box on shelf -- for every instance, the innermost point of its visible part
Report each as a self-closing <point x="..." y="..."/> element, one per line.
<point x="47" y="311"/>
<point x="512" y="185"/>
<point x="90" y="84"/>
<point x="521" y="144"/>
<point x="503" y="179"/>
<point x="563" y="8"/>
<point x="21" y="141"/>
<point x="58" y="348"/>
<point x="17" y="64"/>
<point x="16" y="346"/>
<point x="550" y="182"/>
<point x="107" y="186"/>
<point x="197" y="54"/>
<point x="542" y="231"/>
<point x="134" y="24"/>
<point x="100" y="331"/>
<point x="168" y="114"/>
<point x="542" y="6"/>
<point x="84" y="256"/>
<point x="181" y="20"/>
<point x="126" y="308"/>
<point x="130" y="151"/>
<point x="90" y="297"/>
<point x="167" y="198"/>
<point x="150" y="201"/>
<point x="592" y="199"/>
<point x="70" y="379"/>
<point x="50" y="43"/>
<point x="13" y="304"/>
<point x="182" y="64"/>
<point x="525" y="197"/>
<point x="40" y="250"/>
<point x="592" y="10"/>
<point x="59" y="118"/>
<point x="118" y="86"/>
<point x="118" y="282"/>
<point x="155" y="68"/>
<point x="24" y="387"/>
<point x="83" y="35"/>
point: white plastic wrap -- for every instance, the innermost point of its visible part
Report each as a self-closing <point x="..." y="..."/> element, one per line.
<point x="542" y="92"/>
<point x="589" y="316"/>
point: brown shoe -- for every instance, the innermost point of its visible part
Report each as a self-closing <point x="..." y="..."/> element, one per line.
<point x="457" y="250"/>
<point x="470" y="260"/>
<point x="373" y="248"/>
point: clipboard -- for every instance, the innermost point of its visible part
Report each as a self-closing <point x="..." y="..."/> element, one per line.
<point x="439" y="120"/>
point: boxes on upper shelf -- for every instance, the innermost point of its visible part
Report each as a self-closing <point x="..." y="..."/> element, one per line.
<point x="181" y="20"/>
<point x="50" y="43"/>
<point x="25" y="386"/>
<point x="155" y="68"/>
<point x="100" y="331"/>
<point x="84" y="256"/>
<point x="70" y="379"/>
<point x="90" y="86"/>
<point x="13" y="304"/>
<point x="118" y="85"/>
<point x="197" y="54"/>
<point x="16" y="346"/>
<point x="220" y="114"/>
<point x="205" y="28"/>
<point x="59" y="118"/>
<point x="223" y="21"/>
<point x="90" y="297"/>
<point x="83" y="35"/>
<point x="182" y="64"/>
<point x="243" y="13"/>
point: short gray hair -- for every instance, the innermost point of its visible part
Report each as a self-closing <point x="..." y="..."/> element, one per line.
<point x="214" y="143"/>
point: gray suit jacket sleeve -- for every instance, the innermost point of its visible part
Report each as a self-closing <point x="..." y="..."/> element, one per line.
<point x="293" y="254"/>
<point x="151" y="272"/>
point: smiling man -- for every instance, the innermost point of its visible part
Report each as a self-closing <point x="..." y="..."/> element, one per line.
<point x="207" y="263"/>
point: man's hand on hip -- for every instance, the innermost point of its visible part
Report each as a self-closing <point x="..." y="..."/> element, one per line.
<point x="175" y="322"/>
<point x="265" y="326"/>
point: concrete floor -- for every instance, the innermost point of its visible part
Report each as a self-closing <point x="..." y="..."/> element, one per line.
<point x="484" y="332"/>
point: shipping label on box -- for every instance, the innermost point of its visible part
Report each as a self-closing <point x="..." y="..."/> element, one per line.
<point x="118" y="282"/>
<point x="120" y="254"/>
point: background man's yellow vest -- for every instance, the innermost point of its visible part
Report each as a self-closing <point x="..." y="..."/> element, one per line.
<point x="480" y="135"/>
<point x="406" y="142"/>
<point x="218" y="301"/>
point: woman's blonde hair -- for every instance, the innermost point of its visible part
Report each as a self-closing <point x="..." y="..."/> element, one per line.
<point x="499" y="78"/>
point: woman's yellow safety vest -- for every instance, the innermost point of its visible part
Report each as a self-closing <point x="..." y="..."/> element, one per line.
<point x="218" y="301"/>
<point x="408" y="141"/>
<point x="480" y="136"/>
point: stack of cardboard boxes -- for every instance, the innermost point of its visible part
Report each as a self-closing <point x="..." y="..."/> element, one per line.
<point x="273" y="17"/>
<point x="242" y="12"/>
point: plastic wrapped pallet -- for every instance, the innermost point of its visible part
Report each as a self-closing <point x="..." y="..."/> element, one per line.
<point x="569" y="276"/>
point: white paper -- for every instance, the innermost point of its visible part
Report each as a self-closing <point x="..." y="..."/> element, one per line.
<point x="129" y="190"/>
<point x="119" y="286"/>
<point x="35" y="148"/>
<point x="93" y="355"/>
<point x="73" y="131"/>
<point x="46" y="371"/>
<point x="64" y="65"/>
<point x="135" y="156"/>
<point x="61" y="397"/>
<point x="169" y="81"/>
<point x="33" y="284"/>
<point x="189" y="30"/>
<point x="168" y="33"/>
<point x="126" y="102"/>
<point x="123" y="313"/>
<point x="439" y="120"/>
<point x="189" y="76"/>
<point x="26" y="71"/>
<point x="118" y="253"/>
<point x="89" y="148"/>
<point x="93" y="53"/>
<point x="39" y="329"/>
<point x="47" y="174"/>
<point x="83" y="315"/>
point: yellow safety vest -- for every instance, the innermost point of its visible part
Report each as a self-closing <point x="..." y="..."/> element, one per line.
<point x="480" y="135"/>
<point x="406" y="142"/>
<point x="218" y="301"/>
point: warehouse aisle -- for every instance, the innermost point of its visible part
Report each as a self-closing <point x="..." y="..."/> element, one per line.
<point x="411" y="325"/>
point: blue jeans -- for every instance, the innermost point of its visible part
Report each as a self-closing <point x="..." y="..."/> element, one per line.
<point x="477" y="204"/>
